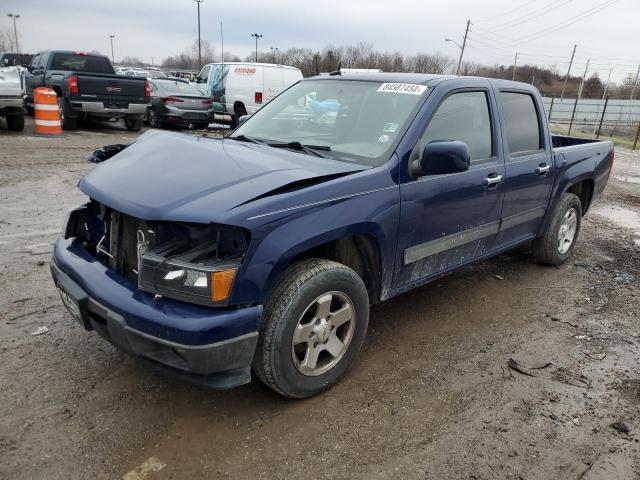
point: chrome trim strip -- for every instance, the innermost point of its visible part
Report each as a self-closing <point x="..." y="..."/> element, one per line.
<point x="433" y="247"/>
<point x="522" y="217"/>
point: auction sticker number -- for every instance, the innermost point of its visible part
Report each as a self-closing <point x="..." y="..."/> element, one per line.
<point x="408" y="88"/>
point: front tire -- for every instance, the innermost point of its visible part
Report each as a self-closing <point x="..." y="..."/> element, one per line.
<point x="314" y="324"/>
<point x="556" y="245"/>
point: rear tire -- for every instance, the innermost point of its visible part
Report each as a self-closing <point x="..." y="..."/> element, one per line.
<point x="134" y="124"/>
<point x="556" y="245"/>
<point x="67" y="122"/>
<point x="15" y="122"/>
<point x="314" y="324"/>
<point x="238" y="111"/>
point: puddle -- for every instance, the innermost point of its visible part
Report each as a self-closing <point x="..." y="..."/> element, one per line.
<point x="624" y="217"/>
<point x="626" y="179"/>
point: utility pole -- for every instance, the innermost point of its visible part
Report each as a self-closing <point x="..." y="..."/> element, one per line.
<point x="464" y="44"/>
<point x="199" y="45"/>
<point x="274" y="53"/>
<point x="568" y="72"/>
<point x="256" y="36"/>
<point x="15" y="17"/>
<point x="152" y="61"/>
<point x="606" y="101"/>
<point x="222" y="43"/>
<point x="584" y="78"/>
<point x="635" y="84"/>
<point x="111" y="37"/>
<point x="515" y="65"/>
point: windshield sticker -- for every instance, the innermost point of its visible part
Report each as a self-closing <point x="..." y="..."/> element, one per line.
<point x="408" y="88"/>
<point x="390" y="128"/>
<point x="383" y="138"/>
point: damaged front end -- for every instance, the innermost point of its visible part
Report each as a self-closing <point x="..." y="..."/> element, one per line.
<point x="195" y="263"/>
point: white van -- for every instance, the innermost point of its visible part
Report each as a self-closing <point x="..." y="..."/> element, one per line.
<point x="241" y="88"/>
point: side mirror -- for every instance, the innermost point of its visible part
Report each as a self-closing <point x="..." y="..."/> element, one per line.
<point x="440" y="157"/>
<point x="197" y="79"/>
<point x="243" y="119"/>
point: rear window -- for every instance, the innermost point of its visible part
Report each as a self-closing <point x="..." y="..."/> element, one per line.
<point x="14" y="59"/>
<point x="81" y="63"/>
<point x="167" y="87"/>
<point x="522" y="123"/>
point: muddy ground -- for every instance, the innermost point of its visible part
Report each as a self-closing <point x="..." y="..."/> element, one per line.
<point x="432" y="395"/>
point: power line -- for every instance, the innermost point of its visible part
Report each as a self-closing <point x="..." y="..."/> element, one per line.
<point x="549" y="7"/>
<point x="565" y="23"/>
<point x="507" y="41"/>
<point x="508" y="12"/>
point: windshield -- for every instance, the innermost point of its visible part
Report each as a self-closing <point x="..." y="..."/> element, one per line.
<point x="354" y="121"/>
<point x="172" y="87"/>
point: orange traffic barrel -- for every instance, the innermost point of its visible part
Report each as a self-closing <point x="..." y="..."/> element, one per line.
<point x="47" y="113"/>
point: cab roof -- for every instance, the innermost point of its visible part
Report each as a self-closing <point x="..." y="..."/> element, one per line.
<point x="428" y="79"/>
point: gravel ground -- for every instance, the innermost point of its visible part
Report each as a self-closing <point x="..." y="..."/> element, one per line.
<point x="432" y="395"/>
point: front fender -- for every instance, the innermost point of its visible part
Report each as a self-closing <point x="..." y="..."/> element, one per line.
<point x="275" y="245"/>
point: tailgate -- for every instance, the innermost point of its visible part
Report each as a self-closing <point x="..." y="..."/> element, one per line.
<point x="111" y="87"/>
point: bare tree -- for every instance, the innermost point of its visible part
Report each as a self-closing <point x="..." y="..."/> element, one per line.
<point x="7" y="40"/>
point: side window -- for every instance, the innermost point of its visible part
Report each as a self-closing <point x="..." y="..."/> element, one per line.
<point x="35" y="61"/>
<point x="204" y="74"/>
<point x="44" y="58"/>
<point x="522" y="123"/>
<point x="465" y="117"/>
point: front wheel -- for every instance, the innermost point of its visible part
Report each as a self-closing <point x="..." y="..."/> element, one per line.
<point x="314" y="324"/>
<point x="556" y="245"/>
<point x="154" y="119"/>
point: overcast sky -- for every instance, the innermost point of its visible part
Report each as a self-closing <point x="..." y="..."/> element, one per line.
<point x="537" y="29"/>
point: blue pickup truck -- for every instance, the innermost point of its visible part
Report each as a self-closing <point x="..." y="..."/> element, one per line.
<point x="264" y="251"/>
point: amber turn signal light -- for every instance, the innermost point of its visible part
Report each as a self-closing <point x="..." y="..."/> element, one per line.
<point x="221" y="284"/>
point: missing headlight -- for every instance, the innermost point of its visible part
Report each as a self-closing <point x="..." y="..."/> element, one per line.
<point x="193" y="265"/>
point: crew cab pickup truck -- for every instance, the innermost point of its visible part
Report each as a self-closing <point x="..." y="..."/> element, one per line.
<point x="263" y="251"/>
<point x="87" y="86"/>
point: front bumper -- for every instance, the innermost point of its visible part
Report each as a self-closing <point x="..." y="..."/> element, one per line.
<point x="98" y="108"/>
<point x="203" y="345"/>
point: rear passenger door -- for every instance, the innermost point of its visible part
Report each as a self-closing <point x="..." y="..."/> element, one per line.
<point x="528" y="164"/>
<point x="447" y="220"/>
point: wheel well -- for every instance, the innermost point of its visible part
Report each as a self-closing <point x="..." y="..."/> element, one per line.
<point x="237" y="105"/>
<point x="584" y="191"/>
<point x="358" y="252"/>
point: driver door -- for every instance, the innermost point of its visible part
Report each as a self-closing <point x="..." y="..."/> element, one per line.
<point x="447" y="220"/>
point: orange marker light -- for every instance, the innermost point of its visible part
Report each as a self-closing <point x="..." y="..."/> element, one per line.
<point x="221" y="284"/>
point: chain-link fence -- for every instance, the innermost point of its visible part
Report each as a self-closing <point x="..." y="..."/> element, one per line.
<point x="618" y="120"/>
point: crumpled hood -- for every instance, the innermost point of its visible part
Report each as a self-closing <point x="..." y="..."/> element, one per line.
<point x="10" y="81"/>
<point x="181" y="177"/>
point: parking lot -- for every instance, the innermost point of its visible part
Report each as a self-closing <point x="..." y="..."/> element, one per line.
<point x="505" y="369"/>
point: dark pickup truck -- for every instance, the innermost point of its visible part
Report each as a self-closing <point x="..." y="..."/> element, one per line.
<point x="87" y="86"/>
<point x="263" y="251"/>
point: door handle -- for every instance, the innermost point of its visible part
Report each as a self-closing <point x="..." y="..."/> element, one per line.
<point x="543" y="169"/>
<point x="492" y="180"/>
